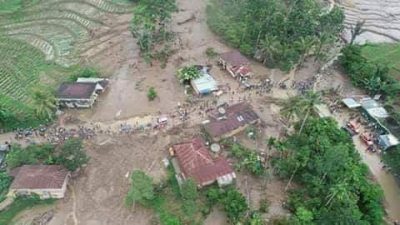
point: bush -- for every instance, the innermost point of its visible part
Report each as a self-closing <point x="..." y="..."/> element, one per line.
<point x="247" y="158"/>
<point x="5" y="182"/>
<point x="211" y="53"/>
<point x="188" y="73"/>
<point x="72" y="155"/>
<point x="151" y="94"/>
<point x="85" y="72"/>
<point x="233" y="202"/>
<point x="33" y="154"/>
<point x="264" y="205"/>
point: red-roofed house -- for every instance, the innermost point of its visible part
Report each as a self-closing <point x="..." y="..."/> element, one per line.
<point x="227" y="121"/>
<point x="193" y="160"/>
<point x="47" y="181"/>
<point x="235" y="63"/>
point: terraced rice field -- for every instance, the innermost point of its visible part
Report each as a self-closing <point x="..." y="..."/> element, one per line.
<point x="382" y="19"/>
<point x="38" y="38"/>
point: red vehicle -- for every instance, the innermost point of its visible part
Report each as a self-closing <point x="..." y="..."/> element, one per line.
<point x="367" y="138"/>
<point x="354" y="126"/>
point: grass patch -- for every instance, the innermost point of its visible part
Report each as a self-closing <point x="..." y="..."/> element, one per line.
<point x="20" y="204"/>
<point x="7" y="6"/>
<point x="387" y="54"/>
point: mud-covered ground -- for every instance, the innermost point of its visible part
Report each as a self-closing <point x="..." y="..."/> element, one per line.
<point x="96" y="197"/>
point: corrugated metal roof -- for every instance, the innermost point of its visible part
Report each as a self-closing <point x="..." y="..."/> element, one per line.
<point x="39" y="177"/>
<point x="205" y="84"/>
<point x="196" y="162"/>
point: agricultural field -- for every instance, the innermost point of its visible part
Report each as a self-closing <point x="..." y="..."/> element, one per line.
<point x="43" y="41"/>
<point x="388" y="54"/>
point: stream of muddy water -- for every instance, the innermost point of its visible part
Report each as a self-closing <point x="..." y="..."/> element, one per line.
<point x="385" y="179"/>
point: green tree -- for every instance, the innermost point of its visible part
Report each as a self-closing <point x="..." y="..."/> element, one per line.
<point x="72" y="154"/>
<point x="18" y="157"/>
<point x="189" y="195"/>
<point x="5" y="182"/>
<point x="188" y="73"/>
<point x="44" y="103"/>
<point x="279" y="33"/>
<point x="304" y="216"/>
<point x="234" y="204"/>
<point x="333" y="185"/>
<point x="141" y="189"/>
<point x="300" y="107"/>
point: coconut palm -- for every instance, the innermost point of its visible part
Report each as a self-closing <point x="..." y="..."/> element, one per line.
<point x="304" y="46"/>
<point x="270" y="46"/>
<point x="300" y="107"/>
<point x="308" y="102"/>
<point x="44" y="103"/>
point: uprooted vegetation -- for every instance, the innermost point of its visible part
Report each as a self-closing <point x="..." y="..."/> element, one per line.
<point x="281" y="34"/>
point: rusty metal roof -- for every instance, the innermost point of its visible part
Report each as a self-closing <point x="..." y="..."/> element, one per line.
<point x="234" y="58"/>
<point x="196" y="162"/>
<point x="39" y="177"/>
<point x="235" y="116"/>
<point x="76" y="90"/>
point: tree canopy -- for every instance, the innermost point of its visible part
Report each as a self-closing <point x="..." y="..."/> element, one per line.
<point x="141" y="189"/>
<point x="334" y="185"/>
<point x="279" y="33"/>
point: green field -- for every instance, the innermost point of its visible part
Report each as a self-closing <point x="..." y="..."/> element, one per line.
<point x="388" y="54"/>
<point x="40" y="43"/>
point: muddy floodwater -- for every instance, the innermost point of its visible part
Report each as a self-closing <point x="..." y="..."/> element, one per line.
<point x="384" y="178"/>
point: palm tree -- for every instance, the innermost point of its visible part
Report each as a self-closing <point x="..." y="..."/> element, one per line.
<point x="270" y="46"/>
<point x="44" y="103"/>
<point x="339" y="191"/>
<point x="304" y="46"/>
<point x="290" y="107"/>
<point x="300" y="107"/>
<point x="308" y="102"/>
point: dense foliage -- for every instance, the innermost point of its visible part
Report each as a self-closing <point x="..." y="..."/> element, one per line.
<point x="280" y="33"/>
<point x="44" y="102"/>
<point x="233" y="202"/>
<point x="189" y="196"/>
<point x="33" y="154"/>
<point x="71" y="155"/>
<point x="391" y="157"/>
<point x="373" y="77"/>
<point x="333" y="184"/>
<point x="84" y="72"/>
<point x="141" y="189"/>
<point x="5" y="182"/>
<point x="188" y="73"/>
<point x="150" y="25"/>
<point x="173" y="204"/>
<point x="247" y="159"/>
